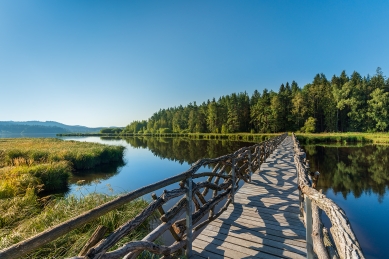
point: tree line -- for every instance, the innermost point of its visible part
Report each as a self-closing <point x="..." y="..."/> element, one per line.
<point x="343" y="104"/>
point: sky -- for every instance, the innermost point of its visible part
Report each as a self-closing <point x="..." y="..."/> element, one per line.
<point x="108" y="63"/>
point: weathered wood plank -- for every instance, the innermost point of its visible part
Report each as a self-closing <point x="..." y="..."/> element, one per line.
<point x="259" y="234"/>
<point x="206" y="254"/>
<point x="276" y="230"/>
<point x="258" y="220"/>
<point x="235" y="250"/>
<point x="283" y="207"/>
<point x="253" y="238"/>
<point x="280" y="217"/>
<point x="263" y="191"/>
<point x="264" y="245"/>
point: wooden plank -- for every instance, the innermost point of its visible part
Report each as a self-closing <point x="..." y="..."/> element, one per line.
<point x="258" y="224"/>
<point x="217" y="248"/>
<point x="257" y="219"/>
<point x="197" y="251"/>
<point x="268" y="194"/>
<point x="258" y="233"/>
<point x="281" y="206"/>
<point x="199" y="256"/>
<point x="279" y="217"/>
<point x="274" y="186"/>
<point x="259" y="246"/>
<point x="274" y="178"/>
<point x="265" y="200"/>
<point x="263" y="191"/>
<point x="235" y="250"/>
<point x="282" y="233"/>
<point x="297" y="247"/>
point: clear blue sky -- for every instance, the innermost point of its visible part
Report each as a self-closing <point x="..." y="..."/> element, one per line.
<point x="107" y="63"/>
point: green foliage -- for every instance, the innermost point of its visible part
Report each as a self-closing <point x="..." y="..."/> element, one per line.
<point x="378" y="109"/>
<point x="224" y="129"/>
<point x="309" y="125"/>
<point x="111" y="130"/>
<point x="165" y="130"/>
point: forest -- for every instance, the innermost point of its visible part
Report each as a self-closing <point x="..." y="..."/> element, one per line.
<point x="345" y="103"/>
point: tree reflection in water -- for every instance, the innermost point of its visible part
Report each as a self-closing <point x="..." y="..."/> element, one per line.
<point x="351" y="169"/>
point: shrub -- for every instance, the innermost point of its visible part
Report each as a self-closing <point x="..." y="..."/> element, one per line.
<point x="309" y="125"/>
<point x="165" y="130"/>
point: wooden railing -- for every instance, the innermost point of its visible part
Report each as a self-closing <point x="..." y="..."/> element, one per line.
<point x="223" y="180"/>
<point x="311" y="201"/>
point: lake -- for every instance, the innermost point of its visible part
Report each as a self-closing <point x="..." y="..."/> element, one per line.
<point x="355" y="177"/>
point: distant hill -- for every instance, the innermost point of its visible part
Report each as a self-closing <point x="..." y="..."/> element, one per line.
<point x="43" y="127"/>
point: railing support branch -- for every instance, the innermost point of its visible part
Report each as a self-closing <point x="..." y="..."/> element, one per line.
<point x="308" y="226"/>
<point x="250" y="168"/>
<point x="189" y="240"/>
<point x="233" y="181"/>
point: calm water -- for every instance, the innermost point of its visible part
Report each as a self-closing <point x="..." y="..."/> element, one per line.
<point x="147" y="160"/>
<point x="357" y="179"/>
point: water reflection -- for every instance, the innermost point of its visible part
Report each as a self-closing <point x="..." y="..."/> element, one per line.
<point x="103" y="172"/>
<point x="351" y="169"/>
<point x="357" y="179"/>
<point x="185" y="150"/>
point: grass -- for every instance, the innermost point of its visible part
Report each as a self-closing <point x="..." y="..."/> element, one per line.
<point x="344" y="138"/>
<point x="23" y="216"/>
<point x="82" y="155"/>
<point x="15" y="180"/>
<point x="47" y="163"/>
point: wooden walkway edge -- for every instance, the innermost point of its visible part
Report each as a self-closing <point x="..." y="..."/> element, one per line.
<point x="264" y="221"/>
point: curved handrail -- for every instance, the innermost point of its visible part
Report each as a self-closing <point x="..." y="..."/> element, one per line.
<point x="345" y="240"/>
<point x="231" y="168"/>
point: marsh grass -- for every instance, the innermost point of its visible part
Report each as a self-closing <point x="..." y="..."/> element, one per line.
<point x="24" y="216"/>
<point x="48" y="162"/>
<point x="344" y="138"/>
<point x="14" y="180"/>
<point x="82" y="155"/>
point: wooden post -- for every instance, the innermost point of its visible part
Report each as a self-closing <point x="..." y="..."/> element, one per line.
<point x="188" y="251"/>
<point x="250" y="169"/>
<point x="315" y="179"/>
<point x="233" y="180"/>
<point x="259" y="158"/>
<point x="308" y="226"/>
<point x="94" y="239"/>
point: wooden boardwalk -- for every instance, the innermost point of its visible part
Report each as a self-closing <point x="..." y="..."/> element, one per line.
<point x="264" y="221"/>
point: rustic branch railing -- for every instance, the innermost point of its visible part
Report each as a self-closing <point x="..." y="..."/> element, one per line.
<point x="228" y="170"/>
<point x="345" y="240"/>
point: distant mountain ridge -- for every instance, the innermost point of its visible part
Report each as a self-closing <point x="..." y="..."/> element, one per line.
<point x="43" y="127"/>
